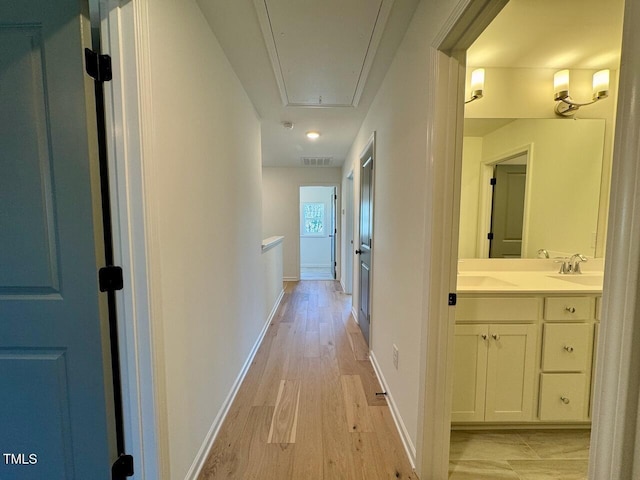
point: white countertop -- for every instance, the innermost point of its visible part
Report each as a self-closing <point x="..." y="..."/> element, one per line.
<point x="527" y="276"/>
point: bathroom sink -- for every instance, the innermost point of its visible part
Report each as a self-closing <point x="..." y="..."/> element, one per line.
<point x="481" y="281"/>
<point x="588" y="280"/>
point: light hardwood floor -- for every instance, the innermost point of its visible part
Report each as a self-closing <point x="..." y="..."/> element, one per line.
<point x="308" y="408"/>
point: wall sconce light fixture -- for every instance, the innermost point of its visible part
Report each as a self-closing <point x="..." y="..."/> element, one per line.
<point x="477" y="84"/>
<point x="567" y="107"/>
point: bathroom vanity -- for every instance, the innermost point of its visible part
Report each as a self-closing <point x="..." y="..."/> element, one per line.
<point x="525" y="339"/>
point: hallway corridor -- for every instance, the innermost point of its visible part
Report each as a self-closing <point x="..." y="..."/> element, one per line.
<point x="307" y="408"/>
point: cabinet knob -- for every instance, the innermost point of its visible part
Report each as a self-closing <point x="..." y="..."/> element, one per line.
<point x="565" y="400"/>
<point x="568" y="348"/>
<point x="570" y="309"/>
<point x="484" y="336"/>
<point x="496" y="336"/>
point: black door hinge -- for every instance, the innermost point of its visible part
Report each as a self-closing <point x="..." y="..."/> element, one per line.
<point x="98" y="66"/>
<point x="453" y="299"/>
<point x="110" y="279"/>
<point x="492" y="181"/>
<point x="122" y="468"/>
<point x="489" y="236"/>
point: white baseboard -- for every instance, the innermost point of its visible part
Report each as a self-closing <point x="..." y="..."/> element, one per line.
<point x="402" y="429"/>
<point x="290" y="279"/>
<point x="355" y="315"/>
<point x="201" y="457"/>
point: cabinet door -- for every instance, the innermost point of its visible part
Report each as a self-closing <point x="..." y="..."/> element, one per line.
<point x="510" y="373"/>
<point x="469" y="373"/>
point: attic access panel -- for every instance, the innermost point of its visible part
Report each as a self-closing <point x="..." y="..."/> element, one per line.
<point x="321" y="52"/>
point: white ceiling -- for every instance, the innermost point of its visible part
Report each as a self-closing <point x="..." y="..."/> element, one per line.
<point x="552" y="34"/>
<point x="325" y="49"/>
<point x="323" y="52"/>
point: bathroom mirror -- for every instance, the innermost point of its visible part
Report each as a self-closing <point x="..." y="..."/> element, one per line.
<point x="547" y="188"/>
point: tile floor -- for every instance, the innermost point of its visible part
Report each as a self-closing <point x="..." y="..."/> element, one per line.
<point x="519" y="455"/>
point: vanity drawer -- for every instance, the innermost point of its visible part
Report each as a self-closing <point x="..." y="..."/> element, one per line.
<point x="569" y="308"/>
<point x="562" y="396"/>
<point x="566" y="347"/>
<point x="498" y="309"/>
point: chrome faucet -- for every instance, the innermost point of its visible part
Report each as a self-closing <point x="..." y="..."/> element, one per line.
<point x="571" y="265"/>
<point x="565" y="266"/>
<point x="543" y="253"/>
<point x="575" y="261"/>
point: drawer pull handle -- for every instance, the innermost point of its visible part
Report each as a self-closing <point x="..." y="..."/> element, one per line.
<point x="568" y="348"/>
<point x="570" y="309"/>
<point x="484" y="336"/>
<point x="565" y="400"/>
<point x="496" y="336"/>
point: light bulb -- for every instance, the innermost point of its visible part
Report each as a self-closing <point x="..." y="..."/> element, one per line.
<point x="561" y="84"/>
<point x="601" y="84"/>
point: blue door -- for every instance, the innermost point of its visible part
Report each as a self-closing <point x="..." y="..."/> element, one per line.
<point x="56" y="419"/>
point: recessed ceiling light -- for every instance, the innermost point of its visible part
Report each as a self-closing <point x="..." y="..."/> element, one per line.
<point x="313" y="135"/>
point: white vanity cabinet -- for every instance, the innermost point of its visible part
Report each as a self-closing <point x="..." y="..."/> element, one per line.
<point x="523" y="358"/>
<point x="494" y="367"/>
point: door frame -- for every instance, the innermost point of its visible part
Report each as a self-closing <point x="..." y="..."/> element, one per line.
<point x="347" y="281"/>
<point x="614" y="431"/>
<point x="129" y="128"/>
<point x="337" y="226"/>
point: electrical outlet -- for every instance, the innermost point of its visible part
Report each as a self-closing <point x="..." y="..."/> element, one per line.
<point x="395" y="356"/>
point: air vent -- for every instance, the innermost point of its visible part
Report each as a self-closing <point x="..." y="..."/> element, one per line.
<point x="317" y="161"/>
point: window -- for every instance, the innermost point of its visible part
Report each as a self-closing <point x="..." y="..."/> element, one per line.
<point x="313" y="218"/>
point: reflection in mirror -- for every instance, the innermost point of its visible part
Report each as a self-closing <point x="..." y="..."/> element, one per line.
<point x="546" y="191"/>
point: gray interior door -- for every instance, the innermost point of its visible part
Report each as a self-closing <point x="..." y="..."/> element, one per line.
<point x="507" y="211"/>
<point x="366" y="241"/>
<point x="55" y="398"/>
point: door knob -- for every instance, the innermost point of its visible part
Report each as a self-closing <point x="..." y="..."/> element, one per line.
<point x="496" y="336"/>
<point x="565" y="400"/>
<point x="570" y="309"/>
<point x="484" y="336"/>
<point x="568" y="348"/>
<point x="358" y="252"/>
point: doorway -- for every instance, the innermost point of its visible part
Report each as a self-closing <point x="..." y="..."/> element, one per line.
<point x="488" y="354"/>
<point x="318" y="232"/>
<point x="508" y="182"/>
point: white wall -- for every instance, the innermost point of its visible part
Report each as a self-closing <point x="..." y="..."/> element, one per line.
<point x="471" y="158"/>
<point x="398" y="115"/>
<point x="281" y="211"/>
<point x="205" y="188"/>
<point x="315" y="251"/>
